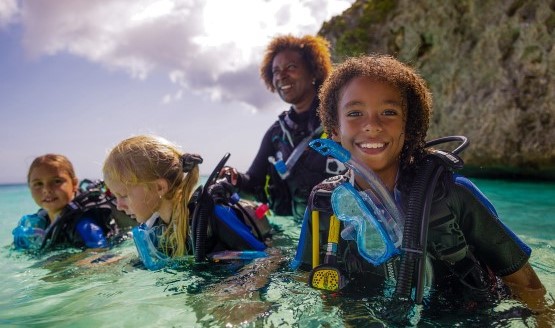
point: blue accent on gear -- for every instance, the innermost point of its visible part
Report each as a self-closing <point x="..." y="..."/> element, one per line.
<point x="466" y="183"/>
<point x="227" y="216"/>
<point x="302" y="241"/>
<point x="145" y="240"/>
<point x="91" y="233"/>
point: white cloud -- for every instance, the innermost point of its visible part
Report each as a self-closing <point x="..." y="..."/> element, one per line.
<point x="8" y="12"/>
<point x="211" y="46"/>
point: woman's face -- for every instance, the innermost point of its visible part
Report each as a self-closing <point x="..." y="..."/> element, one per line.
<point x="371" y="117"/>
<point x="138" y="201"/>
<point x="52" y="188"/>
<point x="293" y="80"/>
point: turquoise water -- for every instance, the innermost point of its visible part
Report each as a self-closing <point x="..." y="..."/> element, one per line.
<point x="59" y="290"/>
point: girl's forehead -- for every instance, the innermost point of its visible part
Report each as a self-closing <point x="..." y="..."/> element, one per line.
<point x="46" y="170"/>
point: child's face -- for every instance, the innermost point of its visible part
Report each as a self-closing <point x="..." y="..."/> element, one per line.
<point x="52" y="188"/>
<point x="139" y="201"/>
<point x="371" y="119"/>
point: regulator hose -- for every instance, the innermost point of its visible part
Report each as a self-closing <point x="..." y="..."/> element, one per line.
<point x="415" y="233"/>
<point x="201" y="215"/>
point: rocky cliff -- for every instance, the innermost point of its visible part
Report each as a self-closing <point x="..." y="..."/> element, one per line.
<point x="490" y="65"/>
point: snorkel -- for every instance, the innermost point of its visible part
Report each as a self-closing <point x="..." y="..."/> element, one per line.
<point x="328" y="147"/>
<point x="372" y="218"/>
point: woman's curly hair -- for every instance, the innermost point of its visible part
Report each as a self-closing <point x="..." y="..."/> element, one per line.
<point x="384" y="68"/>
<point x="313" y="49"/>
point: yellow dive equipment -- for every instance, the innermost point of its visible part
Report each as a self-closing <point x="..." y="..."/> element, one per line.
<point x="328" y="276"/>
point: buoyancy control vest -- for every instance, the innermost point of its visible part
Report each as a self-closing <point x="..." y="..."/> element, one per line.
<point x="223" y="222"/>
<point x="288" y="195"/>
<point x="455" y="261"/>
<point x="348" y="258"/>
<point x="93" y="207"/>
<point x="455" y="265"/>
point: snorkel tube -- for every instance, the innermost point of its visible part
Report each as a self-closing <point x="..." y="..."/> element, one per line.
<point x="203" y="209"/>
<point x="415" y="233"/>
<point x="328" y="147"/>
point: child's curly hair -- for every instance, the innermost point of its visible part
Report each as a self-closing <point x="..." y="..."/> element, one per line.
<point x="314" y="50"/>
<point x="384" y="68"/>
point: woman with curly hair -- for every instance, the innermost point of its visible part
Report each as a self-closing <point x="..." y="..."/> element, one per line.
<point x="285" y="169"/>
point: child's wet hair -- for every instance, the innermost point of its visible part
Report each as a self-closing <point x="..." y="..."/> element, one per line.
<point x="382" y="68"/>
<point x="313" y="49"/>
<point x="53" y="160"/>
<point x="143" y="159"/>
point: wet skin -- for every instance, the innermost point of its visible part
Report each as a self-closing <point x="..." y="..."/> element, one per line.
<point x="372" y="117"/>
<point x="293" y="80"/>
<point x="138" y="201"/>
<point x="52" y="188"/>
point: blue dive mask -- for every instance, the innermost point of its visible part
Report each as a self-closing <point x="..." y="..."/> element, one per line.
<point x="30" y="232"/>
<point x="146" y="240"/>
<point x="377" y="235"/>
<point x="372" y="217"/>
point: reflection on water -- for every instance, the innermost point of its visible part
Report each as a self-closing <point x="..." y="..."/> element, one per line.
<point x="70" y="289"/>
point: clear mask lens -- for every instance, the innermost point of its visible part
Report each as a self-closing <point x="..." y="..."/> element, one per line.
<point x="361" y="217"/>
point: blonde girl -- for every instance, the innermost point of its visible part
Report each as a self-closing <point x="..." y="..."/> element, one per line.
<point x="153" y="181"/>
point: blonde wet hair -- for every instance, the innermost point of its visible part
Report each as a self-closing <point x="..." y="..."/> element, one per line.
<point x="143" y="159"/>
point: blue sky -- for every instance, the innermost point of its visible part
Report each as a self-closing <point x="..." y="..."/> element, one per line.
<point x="78" y="76"/>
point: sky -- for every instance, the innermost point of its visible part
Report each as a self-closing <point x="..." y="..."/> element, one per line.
<point x="78" y="76"/>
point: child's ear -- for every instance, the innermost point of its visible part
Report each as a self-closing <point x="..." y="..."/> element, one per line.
<point x="162" y="186"/>
<point x="75" y="185"/>
<point x="334" y="136"/>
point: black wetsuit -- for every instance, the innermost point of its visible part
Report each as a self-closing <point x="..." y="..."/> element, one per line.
<point x="460" y="212"/>
<point x="289" y="196"/>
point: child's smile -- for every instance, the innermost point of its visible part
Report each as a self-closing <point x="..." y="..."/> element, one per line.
<point x="52" y="188"/>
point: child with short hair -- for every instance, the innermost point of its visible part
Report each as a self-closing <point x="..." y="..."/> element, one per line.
<point x="62" y="218"/>
<point x="154" y="181"/>
<point x="379" y="110"/>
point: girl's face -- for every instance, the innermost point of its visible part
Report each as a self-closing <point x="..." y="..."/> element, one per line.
<point x="138" y="201"/>
<point x="371" y="117"/>
<point x="292" y="79"/>
<point x="52" y="188"/>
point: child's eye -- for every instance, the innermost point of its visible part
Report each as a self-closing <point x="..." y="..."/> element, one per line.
<point x="354" y="114"/>
<point x="390" y="112"/>
<point x="36" y="184"/>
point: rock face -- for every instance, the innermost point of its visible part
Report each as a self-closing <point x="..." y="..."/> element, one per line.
<point x="490" y="65"/>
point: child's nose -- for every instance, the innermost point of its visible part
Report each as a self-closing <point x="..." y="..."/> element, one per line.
<point x="120" y="205"/>
<point x="47" y="189"/>
<point x="372" y="124"/>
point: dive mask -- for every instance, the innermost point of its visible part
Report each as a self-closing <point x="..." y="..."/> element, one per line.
<point x="146" y="240"/>
<point x="30" y="232"/>
<point x="377" y="235"/>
